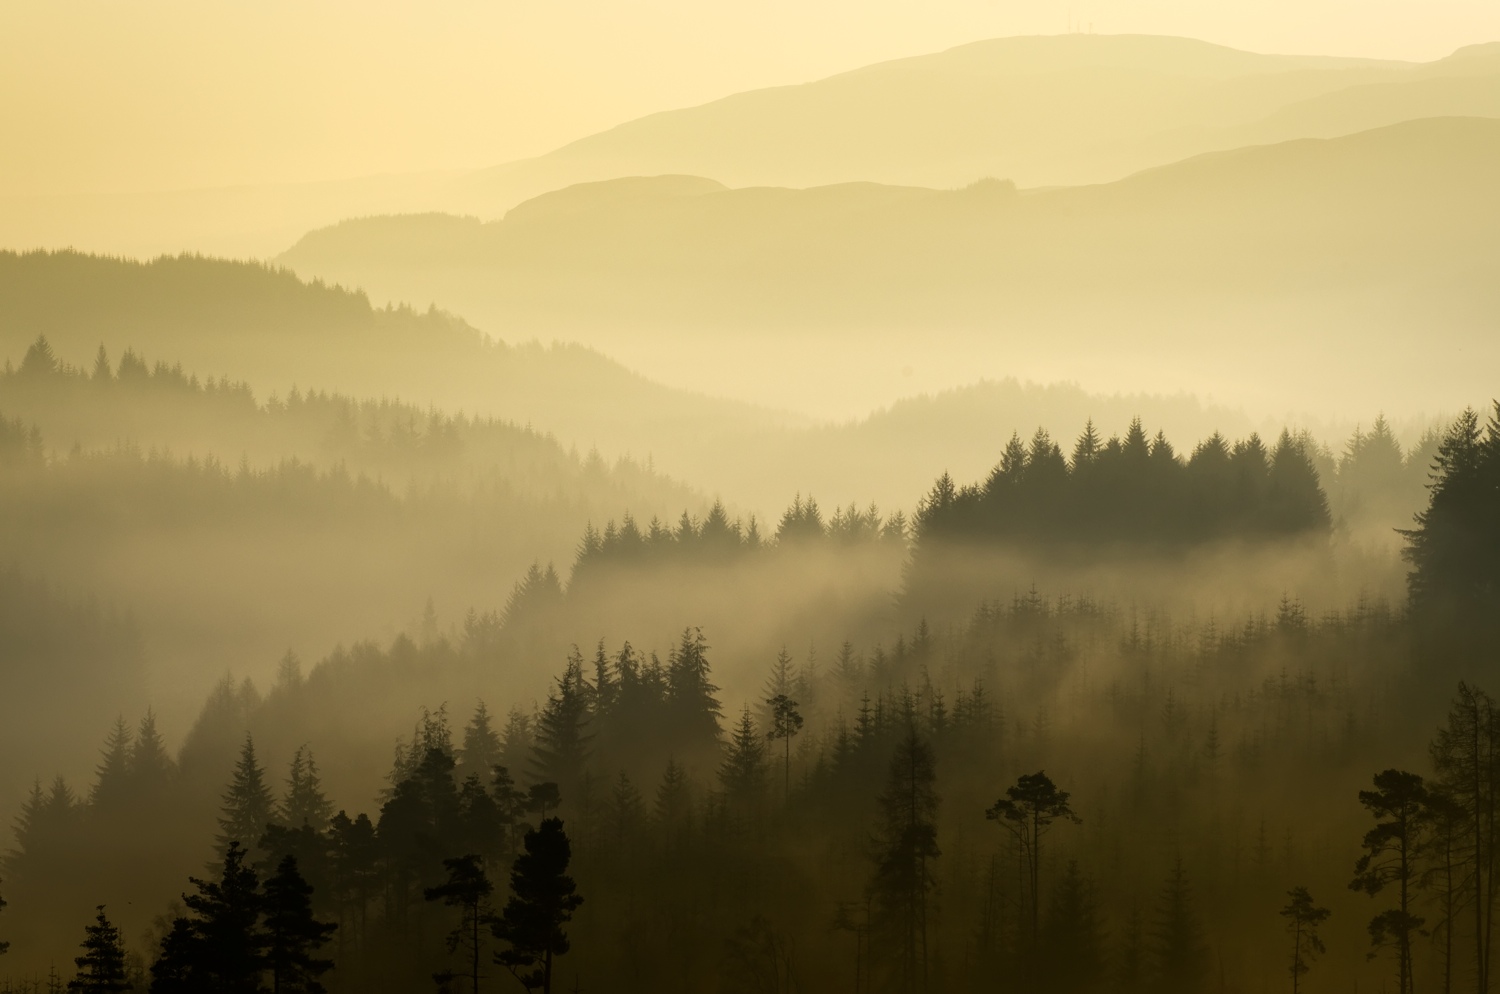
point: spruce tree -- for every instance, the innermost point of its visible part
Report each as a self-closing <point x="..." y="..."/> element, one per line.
<point x="743" y="772"/>
<point x="247" y="806"/>
<point x="543" y="899"/>
<point x="562" y="744"/>
<point x="151" y="768"/>
<point x="112" y="775"/>
<point x="101" y="968"/>
<point x="690" y="696"/>
<point x="1181" y="961"/>
<point x="292" y="936"/>
<point x="304" y="802"/>
<point x="222" y="948"/>
<point x="481" y="750"/>
<point x="906" y="845"/>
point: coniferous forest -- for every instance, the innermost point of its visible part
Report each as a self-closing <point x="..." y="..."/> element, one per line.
<point x="1020" y="518"/>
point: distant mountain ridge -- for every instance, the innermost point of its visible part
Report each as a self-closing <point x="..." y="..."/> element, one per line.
<point x="1332" y="250"/>
<point x="1041" y="111"/>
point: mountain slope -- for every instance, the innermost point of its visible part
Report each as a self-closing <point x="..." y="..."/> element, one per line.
<point x="1037" y="110"/>
<point x="1279" y="260"/>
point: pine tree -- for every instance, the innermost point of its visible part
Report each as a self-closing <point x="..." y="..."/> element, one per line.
<point x="4" y="946"/>
<point x="292" y="935"/>
<point x="543" y="899"/>
<point x="467" y="888"/>
<point x="304" y="802"/>
<point x="101" y="968"/>
<point x="1391" y="851"/>
<point x="1303" y="918"/>
<point x="786" y="722"/>
<point x="1027" y="811"/>
<point x="247" y="806"/>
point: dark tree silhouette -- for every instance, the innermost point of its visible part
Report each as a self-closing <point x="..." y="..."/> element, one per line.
<point x="1466" y="759"/>
<point x="292" y="935"/>
<point x="906" y="845"/>
<point x="467" y="888"/>
<point x="4" y="946"/>
<point x="543" y="899"/>
<point x="1027" y="811"/>
<point x="1390" y="858"/>
<point x="221" y="949"/>
<point x="304" y="802"/>
<point x="101" y="968"/>
<point x="1303" y="918"/>
<point x="1072" y="950"/>
<point x="786" y="722"/>
<point x="742" y="774"/>
<point x="1181" y="961"/>
<point x="247" y="806"/>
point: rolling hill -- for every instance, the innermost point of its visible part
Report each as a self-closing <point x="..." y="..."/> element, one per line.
<point x="1040" y="111"/>
<point x="1304" y="267"/>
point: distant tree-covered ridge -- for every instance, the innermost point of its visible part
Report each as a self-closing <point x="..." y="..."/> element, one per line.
<point x="1135" y="491"/>
<point x="157" y="405"/>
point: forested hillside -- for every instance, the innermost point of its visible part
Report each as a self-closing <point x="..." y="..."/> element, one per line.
<point x="1053" y="791"/>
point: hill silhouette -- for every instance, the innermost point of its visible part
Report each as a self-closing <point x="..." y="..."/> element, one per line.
<point x="1040" y="111"/>
<point x="1316" y="252"/>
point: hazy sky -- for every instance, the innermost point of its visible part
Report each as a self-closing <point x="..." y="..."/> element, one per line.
<point x="165" y="94"/>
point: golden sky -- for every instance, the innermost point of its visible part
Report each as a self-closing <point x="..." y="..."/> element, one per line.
<point x="112" y="95"/>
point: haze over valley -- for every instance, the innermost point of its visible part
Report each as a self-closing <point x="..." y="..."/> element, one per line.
<point x="666" y="501"/>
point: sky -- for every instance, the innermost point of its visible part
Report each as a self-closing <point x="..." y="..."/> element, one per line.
<point x="101" y="96"/>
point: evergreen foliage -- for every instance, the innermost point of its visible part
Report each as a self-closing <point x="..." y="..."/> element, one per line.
<point x="542" y="902"/>
<point x="101" y="968"/>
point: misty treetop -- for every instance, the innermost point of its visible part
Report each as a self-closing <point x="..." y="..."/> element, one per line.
<point x="718" y="538"/>
<point x="1454" y="549"/>
<point x="1133" y="491"/>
